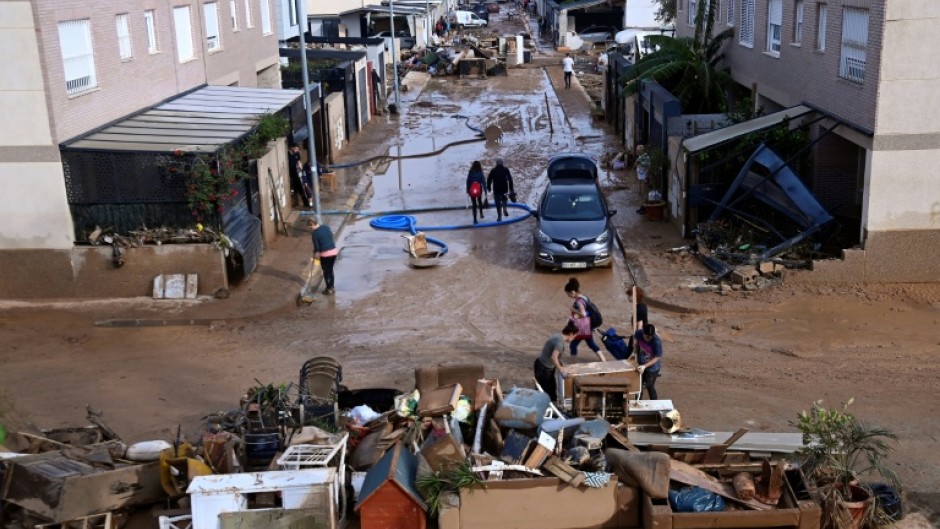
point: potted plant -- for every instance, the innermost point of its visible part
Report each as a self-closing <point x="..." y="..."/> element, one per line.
<point x="652" y="163"/>
<point x="838" y="450"/>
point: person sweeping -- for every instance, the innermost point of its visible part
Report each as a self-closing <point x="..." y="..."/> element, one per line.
<point x="324" y="249"/>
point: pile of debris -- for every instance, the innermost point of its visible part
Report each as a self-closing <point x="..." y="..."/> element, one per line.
<point x="468" y="54"/>
<point x="158" y="236"/>
<point x="456" y="448"/>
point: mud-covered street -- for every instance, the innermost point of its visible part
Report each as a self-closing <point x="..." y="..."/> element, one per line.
<point x="746" y="359"/>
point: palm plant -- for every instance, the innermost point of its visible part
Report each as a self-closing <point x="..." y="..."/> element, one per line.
<point x="838" y="449"/>
<point x="688" y="66"/>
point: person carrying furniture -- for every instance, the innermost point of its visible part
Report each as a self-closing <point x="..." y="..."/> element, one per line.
<point x="549" y="361"/>
<point x="649" y="357"/>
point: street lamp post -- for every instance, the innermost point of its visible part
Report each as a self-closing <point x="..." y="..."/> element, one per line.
<point x="308" y="108"/>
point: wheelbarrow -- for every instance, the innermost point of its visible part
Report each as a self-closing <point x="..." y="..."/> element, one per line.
<point x="418" y="254"/>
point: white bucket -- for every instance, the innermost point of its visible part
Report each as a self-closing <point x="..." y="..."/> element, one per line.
<point x="146" y="450"/>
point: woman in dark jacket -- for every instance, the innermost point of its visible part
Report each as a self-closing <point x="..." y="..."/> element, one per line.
<point x="475" y="176"/>
<point x="324" y="249"/>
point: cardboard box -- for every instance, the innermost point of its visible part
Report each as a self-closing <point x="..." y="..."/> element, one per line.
<point x="547" y="503"/>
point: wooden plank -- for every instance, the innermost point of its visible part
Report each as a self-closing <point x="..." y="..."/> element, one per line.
<point x="622" y="440"/>
<point x="689" y="475"/>
<point x="716" y="452"/>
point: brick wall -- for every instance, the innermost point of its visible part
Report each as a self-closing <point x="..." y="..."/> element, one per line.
<point x="146" y="79"/>
<point x="800" y="73"/>
<point x="835" y="172"/>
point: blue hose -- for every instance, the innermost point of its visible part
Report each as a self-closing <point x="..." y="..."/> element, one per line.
<point x="401" y="222"/>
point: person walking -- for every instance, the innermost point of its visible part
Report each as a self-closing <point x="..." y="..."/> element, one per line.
<point x="499" y="182"/>
<point x="581" y="319"/>
<point x="295" y="167"/>
<point x="649" y="357"/>
<point x="475" y="186"/>
<point x="568" y="66"/>
<point x="324" y="249"/>
<point x="549" y="361"/>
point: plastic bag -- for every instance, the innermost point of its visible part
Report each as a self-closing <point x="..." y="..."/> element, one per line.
<point x="695" y="499"/>
<point x="407" y="405"/>
<point x="362" y="415"/>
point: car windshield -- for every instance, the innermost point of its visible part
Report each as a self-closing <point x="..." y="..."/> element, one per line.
<point x="568" y="204"/>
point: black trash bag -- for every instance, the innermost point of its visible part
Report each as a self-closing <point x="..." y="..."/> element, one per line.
<point x="888" y="499"/>
<point x="695" y="499"/>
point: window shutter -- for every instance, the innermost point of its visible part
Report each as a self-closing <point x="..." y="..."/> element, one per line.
<point x="124" y="36"/>
<point x="854" y="44"/>
<point x="151" y="31"/>
<point x="184" y="33"/>
<point x="78" y="59"/>
<point x="746" y="35"/>
<point x="265" y="17"/>
<point x="213" y="41"/>
<point x="729" y="13"/>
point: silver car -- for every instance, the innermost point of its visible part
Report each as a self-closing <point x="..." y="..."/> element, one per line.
<point x="573" y="229"/>
<point x="596" y="34"/>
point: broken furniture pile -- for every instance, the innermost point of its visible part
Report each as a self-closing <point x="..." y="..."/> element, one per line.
<point x="262" y="456"/>
<point x="481" y="458"/>
<point x="468" y="55"/>
<point x="456" y="448"/>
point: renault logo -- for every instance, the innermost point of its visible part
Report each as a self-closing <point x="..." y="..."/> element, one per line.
<point x="573" y="244"/>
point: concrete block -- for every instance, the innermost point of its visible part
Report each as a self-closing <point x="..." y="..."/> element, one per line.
<point x="766" y="268"/>
<point x="174" y="286"/>
<point x="192" y="285"/>
<point x="158" y="287"/>
<point x="743" y="275"/>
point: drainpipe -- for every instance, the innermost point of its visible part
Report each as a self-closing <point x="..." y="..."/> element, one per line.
<point x="391" y="16"/>
<point x="308" y="108"/>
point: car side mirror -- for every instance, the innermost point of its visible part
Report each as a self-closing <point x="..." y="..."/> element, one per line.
<point x="611" y="213"/>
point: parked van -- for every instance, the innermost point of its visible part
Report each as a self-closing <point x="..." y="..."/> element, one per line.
<point x="633" y="43"/>
<point x="468" y="19"/>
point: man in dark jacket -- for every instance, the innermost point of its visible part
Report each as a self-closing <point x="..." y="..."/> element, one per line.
<point x="499" y="182"/>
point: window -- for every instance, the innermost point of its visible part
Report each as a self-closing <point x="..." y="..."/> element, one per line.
<point x="774" y="25"/>
<point x="77" y="56"/>
<point x="729" y="13"/>
<point x="233" y="9"/>
<point x="124" y="37"/>
<point x="248" y="22"/>
<point x="798" y="22"/>
<point x="822" y="12"/>
<point x="854" y="44"/>
<point x="150" y="20"/>
<point x="265" y="17"/>
<point x="746" y="35"/>
<point x="692" y="12"/>
<point x="330" y="28"/>
<point x="184" y="33"/>
<point x="213" y="40"/>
